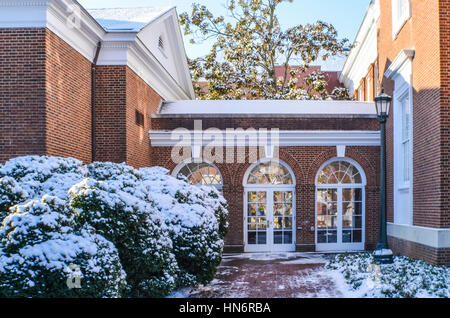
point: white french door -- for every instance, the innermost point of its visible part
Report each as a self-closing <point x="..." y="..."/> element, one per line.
<point x="340" y="218"/>
<point x="269" y="219"/>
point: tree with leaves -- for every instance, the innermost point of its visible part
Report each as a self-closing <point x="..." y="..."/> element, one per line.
<point x="250" y="44"/>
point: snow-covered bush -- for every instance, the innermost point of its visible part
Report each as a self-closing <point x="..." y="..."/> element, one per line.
<point x="38" y="176"/>
<point x="39" y="251"/>
<point x="165" y="231"/>
<point x="112" y="171"/>
<point x="10" y="194"/>
<point x="405" y="278"/>
<point x="40" y="168"/>
<point x="190" y="214"/>
<point x="135" y="227"/>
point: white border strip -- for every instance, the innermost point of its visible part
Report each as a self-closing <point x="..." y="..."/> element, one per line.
<point x="164" y="138"/>
<point x="434" y="237"/>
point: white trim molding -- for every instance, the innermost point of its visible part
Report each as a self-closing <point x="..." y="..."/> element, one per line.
<point x="167" y="138"/>
<point x="404" y="56"/>
<point x="364" y="52"/>
<point x="433" y="237"/>
<point x="66" y="18"/>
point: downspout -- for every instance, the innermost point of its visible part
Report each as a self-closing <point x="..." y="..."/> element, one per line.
<point x="93" y="85"/>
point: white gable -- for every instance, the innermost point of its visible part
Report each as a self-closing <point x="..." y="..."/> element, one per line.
<point x="154" y="32"/>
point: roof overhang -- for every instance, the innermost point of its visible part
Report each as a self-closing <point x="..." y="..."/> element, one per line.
<point x="266" y="108"/>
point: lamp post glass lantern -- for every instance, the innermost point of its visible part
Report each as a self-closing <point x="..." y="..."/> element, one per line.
<point x="383" y="255"/>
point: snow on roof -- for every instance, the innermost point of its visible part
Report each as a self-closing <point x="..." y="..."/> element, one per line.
<point x="267" y="107"/>
<point x="127" y="19"/>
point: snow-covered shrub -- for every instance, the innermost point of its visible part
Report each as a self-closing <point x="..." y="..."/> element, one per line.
<point x="405" y="278"/>
<point x="113" y="171"/>
<point x="44" y="175"/>
<point x="40" y="168"/>
<point x="39" y="251"/>
<point x="190" y="214"/>
<point x="219" y="205"/>
<point x="10" y="194"/>
<point x="135" y="227"/>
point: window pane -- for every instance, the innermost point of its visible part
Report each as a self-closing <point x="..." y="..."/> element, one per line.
<point x="278" y="237"/>
<point x="277" y="223"/>
<point x="287" y="237"/>
<point x="262" y="237"/>
<point x="287" y="223"/>
<point x="251" y="237"/>
<point x="357" y="236"/>
<point x="321" y="236"/>
<point x="346" y="236"/>
<point x="357" y="222"/>
<point x="288" y="209"/>
<point x="278" y="209"/>
<point x="332" y="236"/>
<point x="321" y="209"/>
<point x="252" y="209"/>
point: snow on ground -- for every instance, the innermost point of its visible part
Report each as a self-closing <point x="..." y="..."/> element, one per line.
<point x="315" y="275"/>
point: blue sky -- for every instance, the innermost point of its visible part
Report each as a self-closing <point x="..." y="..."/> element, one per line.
<point x="345" y="15"/>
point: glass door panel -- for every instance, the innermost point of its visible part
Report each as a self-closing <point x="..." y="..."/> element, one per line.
<point x="352" y="215"/>
<point x="327" y="216"/>
<point x="282" y="217"/>
<point x="257" y="218"/>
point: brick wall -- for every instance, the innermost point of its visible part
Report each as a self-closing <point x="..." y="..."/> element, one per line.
<point x="444" y="44"/>
<point x="110" y="114"/>
<point x="283" y="123"/>
<point x="68" y="91"/>
<point x="22" y="93"/>
<point x="44" y="96"/>
<point x="140" y="97"/>
<point x="420" y="32"/>
<point x="119" y="94"/>
<point x="419" y="251"/>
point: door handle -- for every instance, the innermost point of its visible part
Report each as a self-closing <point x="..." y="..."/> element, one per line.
<point x="268" y="224"/>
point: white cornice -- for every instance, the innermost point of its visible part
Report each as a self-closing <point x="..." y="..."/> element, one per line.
<point x="54" y="15"/>
<point x="365" y="50"/>
<point x="404" y="56"/>
<point x="164" y="138"/>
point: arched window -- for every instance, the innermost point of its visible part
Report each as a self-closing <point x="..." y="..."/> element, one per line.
<point x="200" y="173"/>
<point x="270" y="173"/>
<point x="339" y="172"/>
<point x="340" y="188"/>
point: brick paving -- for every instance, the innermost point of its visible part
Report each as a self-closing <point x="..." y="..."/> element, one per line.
<point x="296" y="275"/>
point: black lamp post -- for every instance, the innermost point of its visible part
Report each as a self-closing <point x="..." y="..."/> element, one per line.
<point x="383" y="255"/>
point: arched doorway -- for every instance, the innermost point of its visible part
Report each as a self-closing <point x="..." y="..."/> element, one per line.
<point x="269" y="207"/>
<point x="340" y="206"/>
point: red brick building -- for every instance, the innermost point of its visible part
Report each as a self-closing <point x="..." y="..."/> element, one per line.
<point x="72" y="85"/>
<point x="298" y="175"/>
<point x="403" y="46"/>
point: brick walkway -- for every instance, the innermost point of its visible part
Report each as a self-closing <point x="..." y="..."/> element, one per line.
<point x="289" y="275"/>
